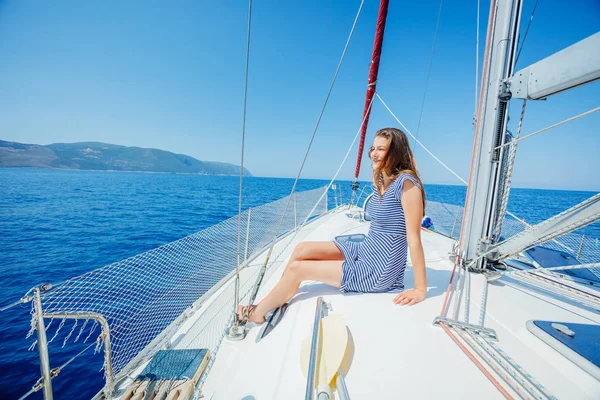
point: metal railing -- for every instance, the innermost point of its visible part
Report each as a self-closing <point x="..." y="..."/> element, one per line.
<point x="141" y="302"/>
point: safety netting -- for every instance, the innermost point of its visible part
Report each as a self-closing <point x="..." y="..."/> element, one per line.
<point x="151" y="295"/>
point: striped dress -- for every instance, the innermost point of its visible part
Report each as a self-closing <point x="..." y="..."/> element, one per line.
<point x="377" y="264"/>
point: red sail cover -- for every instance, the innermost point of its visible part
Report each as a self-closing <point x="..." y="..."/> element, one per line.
<point x="373" y="71"/>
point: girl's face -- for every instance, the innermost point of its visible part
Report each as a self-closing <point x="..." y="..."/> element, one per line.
<point x="378" y="151"/>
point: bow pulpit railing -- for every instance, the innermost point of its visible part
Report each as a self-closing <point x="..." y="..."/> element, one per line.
<point x="133" y="308"/>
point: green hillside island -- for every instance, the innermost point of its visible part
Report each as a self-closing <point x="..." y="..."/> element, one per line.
<point x="108" y="157"/>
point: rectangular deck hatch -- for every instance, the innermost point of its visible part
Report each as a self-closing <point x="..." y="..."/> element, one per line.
<point x="580" y="343"/>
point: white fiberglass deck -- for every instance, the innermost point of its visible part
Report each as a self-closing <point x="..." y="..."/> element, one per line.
<point x="398" y="353"/>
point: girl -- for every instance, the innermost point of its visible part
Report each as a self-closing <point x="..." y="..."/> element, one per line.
<point x="377" y="264"/>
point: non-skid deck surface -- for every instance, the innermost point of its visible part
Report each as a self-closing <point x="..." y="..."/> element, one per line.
<point x="398" y="353"/>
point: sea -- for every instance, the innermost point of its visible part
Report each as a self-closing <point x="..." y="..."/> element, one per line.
<point x="58" y="224"/>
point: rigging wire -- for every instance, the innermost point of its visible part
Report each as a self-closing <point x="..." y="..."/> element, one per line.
<point x="417" y="140"/>
<point x="262" y="272"/>
<point x="356" y="136"/>
<point x="448" y="168"/>
<point x="482" y="96"/>
<point x="551" y="127"/>
<point x="237" y="269"/>
<point x="476" y="66"/>
<point x="526" y="32"/>
<point x="55" y="371"/>
<point x="341" y="165"/>
<point x="16" y="303"/>
<point x="437" y="25"/>
<point x="478" y="105"/>
<point x="366" y="114"/>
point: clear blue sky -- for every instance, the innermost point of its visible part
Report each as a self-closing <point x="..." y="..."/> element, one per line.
<point x="169" y="75"/>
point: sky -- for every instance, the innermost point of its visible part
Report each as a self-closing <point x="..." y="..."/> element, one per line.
<point x="170" y="75"/>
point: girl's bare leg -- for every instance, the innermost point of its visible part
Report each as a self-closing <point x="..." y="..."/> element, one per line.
<point x="320" y="261"/>
<point x="316" y="251"/>
<point x="329" y="272"/>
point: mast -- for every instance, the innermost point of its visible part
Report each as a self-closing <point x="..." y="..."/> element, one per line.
<point x="373" y="72"/>
<point x="571" y="67"/>
<point x="487" y="160"/>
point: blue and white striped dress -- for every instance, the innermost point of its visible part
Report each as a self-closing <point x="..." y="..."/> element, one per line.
<point x="377" y="264"/>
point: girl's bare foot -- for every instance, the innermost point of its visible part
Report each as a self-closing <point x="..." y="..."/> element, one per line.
<point x="251" y="311"/>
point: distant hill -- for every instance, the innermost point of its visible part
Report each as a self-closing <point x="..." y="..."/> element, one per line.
<point x="107" y="157"/>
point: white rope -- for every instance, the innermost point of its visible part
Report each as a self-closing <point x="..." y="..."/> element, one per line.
<point x="417" y="141"/>
<point x="551" y="126"/>
<point x="512" y="151"/>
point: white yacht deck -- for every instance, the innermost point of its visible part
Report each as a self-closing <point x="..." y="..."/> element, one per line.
<point x="397" y="351"/>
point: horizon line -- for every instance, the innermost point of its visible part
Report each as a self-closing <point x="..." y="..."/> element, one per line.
<point x="516" y="186"/>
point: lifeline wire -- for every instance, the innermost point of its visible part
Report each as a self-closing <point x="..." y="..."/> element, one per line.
<point x="237" y="269"/>
<point x="342" y="163"/>
<point x="259" y="280"/>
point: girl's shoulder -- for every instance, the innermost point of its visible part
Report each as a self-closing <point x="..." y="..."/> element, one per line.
<point x="398" y="185"/>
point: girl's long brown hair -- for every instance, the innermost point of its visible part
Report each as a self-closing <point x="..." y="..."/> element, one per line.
<point x="398" y="160"/>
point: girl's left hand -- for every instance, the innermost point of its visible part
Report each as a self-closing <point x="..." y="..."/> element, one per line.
<point x="410" y="297"/>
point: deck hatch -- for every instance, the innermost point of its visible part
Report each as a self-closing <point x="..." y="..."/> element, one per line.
<point x="580" y="343"/>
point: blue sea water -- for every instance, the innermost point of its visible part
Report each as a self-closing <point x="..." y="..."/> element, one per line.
<point x="59" y="224"/>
